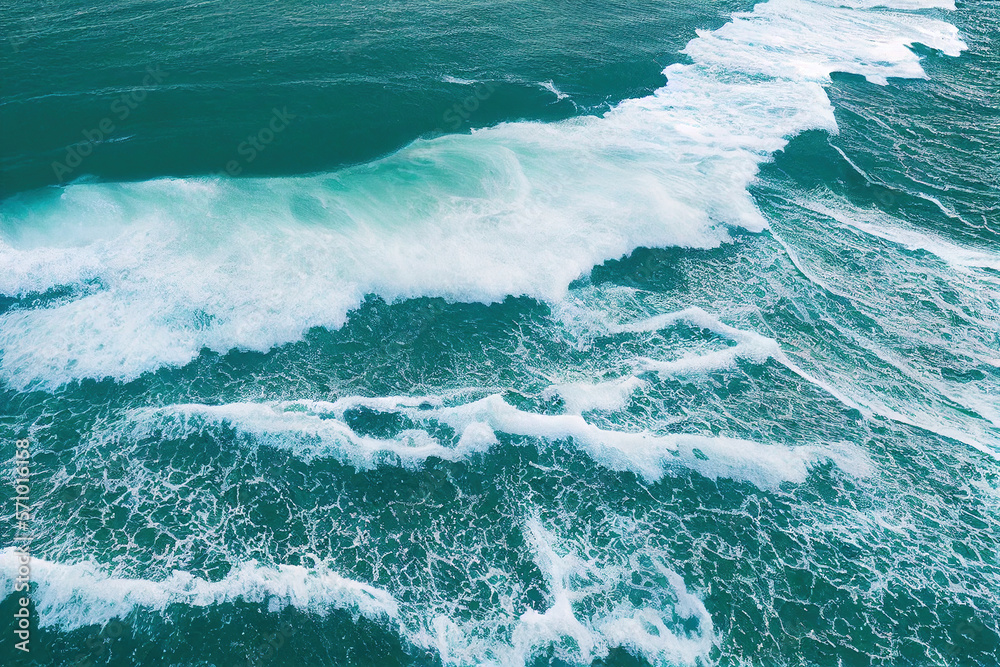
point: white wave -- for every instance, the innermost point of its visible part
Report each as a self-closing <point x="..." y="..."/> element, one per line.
<point x="749" y="344"/>
<point x="806" y="41"/>
<point x="70" y="596"/>
<point x="162" y="269"/>
<point x="894" y="4"/>
<point x="312" y="429"/>
<point x="315" y="435"/>
<point x="587" y="606"/>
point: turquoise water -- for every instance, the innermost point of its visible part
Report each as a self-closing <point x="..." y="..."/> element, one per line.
<point x="511" y="333"/>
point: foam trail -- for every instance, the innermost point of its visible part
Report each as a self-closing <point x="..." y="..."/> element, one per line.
<point x="875" y="224"/>
<point x="312" y="429"/>
<point x="70" y="596"/>
<point x="628" y="626"/>
<point x="149" y="274"/>
<point x="749" y="344"/>
<point x="551" y="87"/>
<point x="757" y="348"/>
<point x="672" y="626"/>
<point x="911" y="312"/>
<point x="315" y="436"/>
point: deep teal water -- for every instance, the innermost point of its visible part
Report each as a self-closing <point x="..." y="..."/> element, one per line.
<point x="362" y="79"/>
<point x="593" y="375"/>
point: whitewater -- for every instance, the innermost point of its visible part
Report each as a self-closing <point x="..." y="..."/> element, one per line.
<point x="116" y="282"/>
<point x="154" y="272"/>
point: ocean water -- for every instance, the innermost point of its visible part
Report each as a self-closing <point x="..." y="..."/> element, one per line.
<point x="496" y="333"/>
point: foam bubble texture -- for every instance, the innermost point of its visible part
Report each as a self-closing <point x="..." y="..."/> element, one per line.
<point x="318" y="429"/>
<point x="70" y="596"/>
<point x="142" y="275"/>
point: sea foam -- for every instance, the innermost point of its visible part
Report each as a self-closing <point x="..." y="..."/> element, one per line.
<point x="141" y="275"/>
<point x="319" y="429"/>
<point x="586" y="610"/>
<point x="70" y="596"/>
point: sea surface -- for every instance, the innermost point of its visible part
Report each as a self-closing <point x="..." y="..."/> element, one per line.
<point x="422" y="332"/>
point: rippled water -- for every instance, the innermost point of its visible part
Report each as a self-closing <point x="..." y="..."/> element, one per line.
<point x="684" y="366"/>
